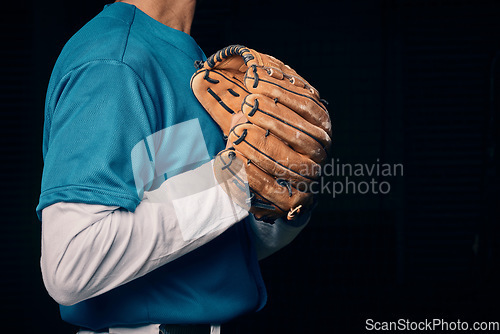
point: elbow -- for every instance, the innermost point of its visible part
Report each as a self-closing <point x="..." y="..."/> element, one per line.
<point x="62" y="289"/>
<point x="66" y="257"/>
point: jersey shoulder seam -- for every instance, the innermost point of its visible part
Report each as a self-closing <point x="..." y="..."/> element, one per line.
<point x="128" y="34"/>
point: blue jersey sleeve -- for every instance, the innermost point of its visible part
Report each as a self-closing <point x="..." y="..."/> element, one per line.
<point x="94" y="116"/>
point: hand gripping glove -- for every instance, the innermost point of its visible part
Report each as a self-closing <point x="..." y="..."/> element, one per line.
<point x="285" y="135"/>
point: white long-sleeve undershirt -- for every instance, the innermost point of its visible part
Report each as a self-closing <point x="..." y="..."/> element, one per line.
<point x="89" y="249"/>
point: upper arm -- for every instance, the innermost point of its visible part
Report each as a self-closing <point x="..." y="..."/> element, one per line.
<point x="94" y="116"/>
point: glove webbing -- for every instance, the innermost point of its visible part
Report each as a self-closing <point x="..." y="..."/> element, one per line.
<point x="228" y="51"/>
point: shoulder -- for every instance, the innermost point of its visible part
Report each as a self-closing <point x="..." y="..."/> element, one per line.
<point x="105" y="38"/>
<point x="96" y="53"/>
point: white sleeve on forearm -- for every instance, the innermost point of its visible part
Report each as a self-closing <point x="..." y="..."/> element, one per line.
<point x="269" y="238"/>
<point x="90" y="249"/>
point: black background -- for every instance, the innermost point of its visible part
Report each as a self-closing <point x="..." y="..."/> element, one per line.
<point x="410" y="82"/>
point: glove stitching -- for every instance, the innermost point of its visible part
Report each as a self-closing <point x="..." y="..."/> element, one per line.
<point x="291" y="91"/>
<point x="273" y="160"/>
<point x="251" y="113"/>
<point x="218" y="99"/>
<point x="206" y="77"/>
<point x="239" y="83"/>
<point x="262" y="203"/>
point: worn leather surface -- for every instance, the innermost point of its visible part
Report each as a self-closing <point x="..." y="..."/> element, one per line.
<point x="287" y="133"/>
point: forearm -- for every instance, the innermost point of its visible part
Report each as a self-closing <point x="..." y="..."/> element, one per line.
<point x="90" y="249"/>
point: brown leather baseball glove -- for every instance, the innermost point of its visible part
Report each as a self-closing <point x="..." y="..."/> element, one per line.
<point x="285" y="135"/>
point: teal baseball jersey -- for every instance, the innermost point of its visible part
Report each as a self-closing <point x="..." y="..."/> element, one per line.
<point x="118" y="107"/>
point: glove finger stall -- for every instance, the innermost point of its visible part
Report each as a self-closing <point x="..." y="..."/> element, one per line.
<point x="287" y="125"/>
<point x="272" y="155"/>
<point x="230" y="173"/>
<point x="304" y="101"/>
<point x="272" y="199"/>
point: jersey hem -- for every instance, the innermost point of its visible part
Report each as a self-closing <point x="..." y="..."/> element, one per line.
<point x="87" y="195"/>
